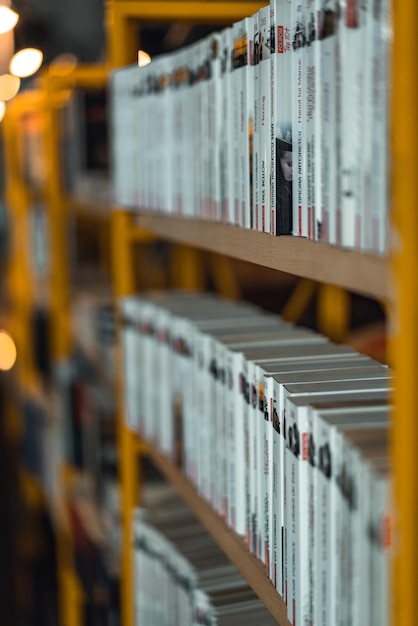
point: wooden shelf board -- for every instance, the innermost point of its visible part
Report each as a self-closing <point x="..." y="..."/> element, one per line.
<point x="232" y="545"/>
<point x="359" y="272"/>
<point x="82" y="207"/>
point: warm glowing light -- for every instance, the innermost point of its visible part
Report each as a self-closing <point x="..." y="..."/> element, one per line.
<point x="9" y="86"/>
<point x="63" y="64"/>
<point x="143" y="58"/>
<point x="7" y="351"/>
<point x="8" y="19"/>
<point x="26" y="62"/>
<point x="2" y="110"/>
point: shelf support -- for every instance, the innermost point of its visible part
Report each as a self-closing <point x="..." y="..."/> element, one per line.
<point x="404" y="321"/>
<point x="128" y="462"/>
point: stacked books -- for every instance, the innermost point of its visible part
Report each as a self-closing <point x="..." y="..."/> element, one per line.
<point x="283" y="432"/>
<point x="219" y="594"/>
<point x="279" y="123"/>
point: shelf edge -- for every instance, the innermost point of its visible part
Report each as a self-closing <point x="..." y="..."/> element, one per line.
<point x="356" y="271"/>
<point x="232" y="545"/>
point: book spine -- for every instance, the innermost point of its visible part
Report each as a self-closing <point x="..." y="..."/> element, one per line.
<point x="380" y="142"/>
<point x="239" y="58"/>
<point x="292" y="510"/>
<point x="265" y="115"/>
<point x="273" y="106"/>
<point x="322" y="488"/>
<point x="380" y="564"/>
<point x="258" y="384"/>
<point x="241" y="413"/>
<point x="247" y="126"/>
<point x="311" y="81"/>
<point x="284" y="168"/>
<point x="352" y="34"/>
<point x="270" y="540"/>
<point x="226" y="132"/>
<point x="129" y="347"/>
<point x="300" y="214"/>
<point x="256" y="128"/>
<point x="328" y="122"/>
<point x="253" y="457"/>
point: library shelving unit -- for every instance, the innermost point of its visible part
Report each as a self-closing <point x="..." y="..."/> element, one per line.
<point x="43" y="189"/>
<point x="393" y="281"/>
<point x="50" y="287"/>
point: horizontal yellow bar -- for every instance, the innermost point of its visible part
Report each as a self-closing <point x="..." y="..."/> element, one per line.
<point x="80" y="76"/>
<point x="211" y="12"/>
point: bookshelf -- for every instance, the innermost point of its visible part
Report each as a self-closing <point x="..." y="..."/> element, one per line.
<point x="28" y="289"/>
<point x="232" y="545"/>
<point x="55" y="288"/>
<point x="393" y="281"/>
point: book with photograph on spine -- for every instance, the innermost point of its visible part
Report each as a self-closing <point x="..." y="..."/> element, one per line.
<point x="328" y="47"/>
<point x="298" y="90"/>
<point x="283" y="135"/>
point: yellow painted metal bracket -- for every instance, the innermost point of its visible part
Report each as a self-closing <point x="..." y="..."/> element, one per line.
<point x="404" y="322"/>
<point x="122" y="17"/>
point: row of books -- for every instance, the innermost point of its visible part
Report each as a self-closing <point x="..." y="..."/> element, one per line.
<point x="259" y="413"/>
<point x="279" y="123"/>
<point x="232" y="600"/>
<point x="166" y="587"/>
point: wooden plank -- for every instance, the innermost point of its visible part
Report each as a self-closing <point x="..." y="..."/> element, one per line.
<point x="356" y="271"/>
<point x="232" y="545"/>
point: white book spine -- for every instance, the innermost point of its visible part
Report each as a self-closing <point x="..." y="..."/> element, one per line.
<point x="380" y="142"/>
<point x="259" y="417"/>
<point x="273" y="106"/>
<point x="241" y="413"/>
<point x="368" y="124"/>
<point x="300" y="215"/>
<point x="273" y="422"/>
<point x="336" y="514"/>
<point x="328" y="121"/>
<point x="129" y="364"/>
<point x="253" y="464"/>
<point x="270" y="547"/>
<point x="322" y="530"/>
<point x="265" y="115"/>
<point x="167" y="427"/>
<point x="299" y="430"/>
<point x="292" y="509"/>
<point x="380" y="566"/>
<point x="256" y="127"/>
<point x="352" y="38"/>
<point x="131" y="143"/>
<point x="239" y="58"/>
<point x="225" y="442"/>
<point x="278" y="489"/>
<point x="311" y="77"/>
<point x="201" y="408"/>
<point x="226" y="132"/>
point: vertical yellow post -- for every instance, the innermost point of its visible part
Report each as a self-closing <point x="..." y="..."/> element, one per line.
<point x="56" y="207"/>
<point x="124" y="284"/>
<point x="333" y="312"/>
<point x="122" y="37"/>
<point x="404" y="347"/>
<point x="19" y="278"/>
